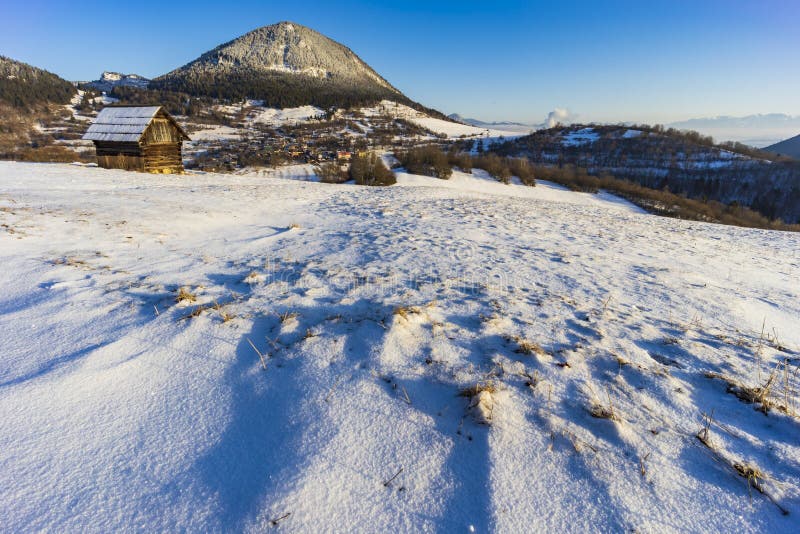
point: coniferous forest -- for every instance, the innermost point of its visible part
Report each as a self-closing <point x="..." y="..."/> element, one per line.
<point x="24" y="86"/>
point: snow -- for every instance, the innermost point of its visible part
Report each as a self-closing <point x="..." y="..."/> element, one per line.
<point x="584" y="136"/>
<point x="126" y="124"/>
<point x="105" y="100"/>
<point x="631" y="133"/>
<point x="480" y="182"/>
<point x="215" y="132"/>
<point x="278" y="117"/>
<point x="373" y="309"/>
<point x="73" y="110"/>
<point x="449" y="129"/>
<point x="257" y="114"/>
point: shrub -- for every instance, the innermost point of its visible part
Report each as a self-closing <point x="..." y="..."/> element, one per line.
<point x="495" y="166"/>
<point x="369" y="169"/>
<point x="331" y="173"/>
<point x="51" y="154"/>
<point x="462" y="160"/>
<point x="522" y="169"/>
<point x="426" y="160"/>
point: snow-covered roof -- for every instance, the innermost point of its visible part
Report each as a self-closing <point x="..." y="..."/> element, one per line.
<point x="125" y="124"/>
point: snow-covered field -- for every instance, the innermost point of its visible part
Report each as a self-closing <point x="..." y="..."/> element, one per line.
<point x="313" y="384"/>
<point x="215" y="132"/>
<point x="279" y="117"/>
<point x="253" y="114"/>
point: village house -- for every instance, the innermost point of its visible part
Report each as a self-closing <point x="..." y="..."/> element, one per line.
<point x="137" y="138"/>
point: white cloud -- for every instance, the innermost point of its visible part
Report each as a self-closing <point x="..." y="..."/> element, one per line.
<point x="559" y="115"/>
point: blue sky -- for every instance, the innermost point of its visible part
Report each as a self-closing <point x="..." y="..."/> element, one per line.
<point x="615" y="60"/>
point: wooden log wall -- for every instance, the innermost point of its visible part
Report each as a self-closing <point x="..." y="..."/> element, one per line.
<point x="109" y="148"/>
<point x="121" y="161"/>
<point x="161" y="131"/>
<point x="163" y="158"/>
<point x="159" y="150"/>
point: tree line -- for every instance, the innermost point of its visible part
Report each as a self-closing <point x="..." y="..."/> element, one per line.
<point x="364" y="169"/>
<point x="432" y="160"/>
<point x="275" y="89"/>
<point x="684" y="162"/>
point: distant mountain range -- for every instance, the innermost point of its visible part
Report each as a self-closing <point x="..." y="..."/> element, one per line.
<point x="755" y="130"/>
<point x="517" y="127"/>
<point x="476" y="122"/>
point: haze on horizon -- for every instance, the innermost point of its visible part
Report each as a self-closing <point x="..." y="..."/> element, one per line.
<point x="614" y="61"/>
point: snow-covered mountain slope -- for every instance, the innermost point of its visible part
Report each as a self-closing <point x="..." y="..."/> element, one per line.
<point x="285" y="47"/>
<point x="598" y="337"/>
<point x="284" y="64"/>
<point x="451" y="130"/>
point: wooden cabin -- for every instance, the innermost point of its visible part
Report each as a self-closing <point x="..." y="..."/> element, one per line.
<point x="137" y="138"/>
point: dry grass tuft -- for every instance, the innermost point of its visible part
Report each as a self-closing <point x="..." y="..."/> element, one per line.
<point x="602" y="411"/>
<point x="184" y="295"/>
<point x="197" y="312"/>
<point x="704" y="434"/>
<point x="481" y="401"/>
<point x="477" y="389"/>
<point x="621" y="361"/>
<point x="73" y="262"/>
<point x="530" y="348"/>
<point x="752" y="473"/>
<point x="223" y="313"/>
<point x="755" y="477"/>
<point x="253" y="278"/>
<point x="533" y="380"/>
<point x="763" y="396"/>
<point x="642" y="466"/>
<point x="405" y="311"/>
<point x="309" y="334"/>
<point x="695" y="324"/>
<point x="288" y="316"/>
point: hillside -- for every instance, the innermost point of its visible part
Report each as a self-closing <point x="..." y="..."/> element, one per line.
<point x="789" y="147"/>
<point x="684" y="162"/>
<point x="448" y="356"/>
<point x="283" y="65"/>
<point x="36" y="118"/>
<point x="24" y="86"/>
